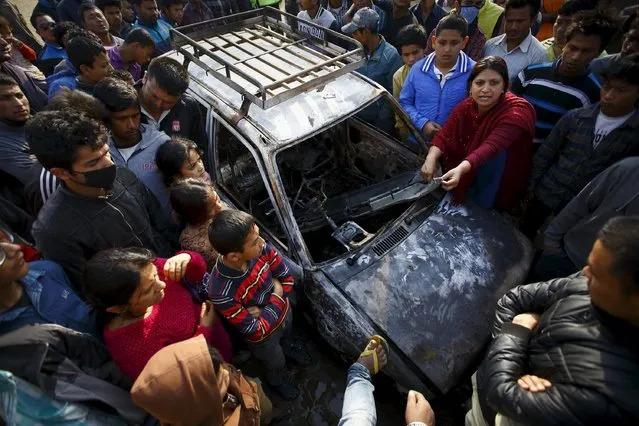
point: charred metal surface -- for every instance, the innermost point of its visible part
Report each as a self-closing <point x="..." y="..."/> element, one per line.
<point x="434" y="294"/>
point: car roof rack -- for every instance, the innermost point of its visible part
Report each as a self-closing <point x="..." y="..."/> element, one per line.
<point x="265" y="59"/>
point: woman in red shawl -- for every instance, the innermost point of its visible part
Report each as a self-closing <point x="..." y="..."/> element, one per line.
<point x="486" y="143"/>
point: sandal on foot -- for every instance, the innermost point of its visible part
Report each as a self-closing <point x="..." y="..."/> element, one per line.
<point x="371" y="351"/>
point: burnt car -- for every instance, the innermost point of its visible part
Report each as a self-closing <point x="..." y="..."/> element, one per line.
<point x="381" y="251"/>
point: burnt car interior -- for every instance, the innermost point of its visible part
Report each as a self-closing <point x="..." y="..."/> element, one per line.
<point x="344" y="185"/>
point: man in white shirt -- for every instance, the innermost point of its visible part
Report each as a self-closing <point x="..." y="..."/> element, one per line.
<point x="517" y="45"/>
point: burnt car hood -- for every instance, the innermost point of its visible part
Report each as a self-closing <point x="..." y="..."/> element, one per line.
<point x="434" y="294"/>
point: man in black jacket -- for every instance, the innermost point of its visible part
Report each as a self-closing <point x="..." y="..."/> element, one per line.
<point x="565" y="352"/>
<point x="98" y="205"/>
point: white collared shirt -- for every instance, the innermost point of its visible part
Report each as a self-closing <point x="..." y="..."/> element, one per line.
<point x="529" y="52"/>
<point x="150" y="120"/>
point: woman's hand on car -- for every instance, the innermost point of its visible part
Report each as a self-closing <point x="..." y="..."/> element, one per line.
<point x="451" y="178"/>
<point x="175" y="267"/>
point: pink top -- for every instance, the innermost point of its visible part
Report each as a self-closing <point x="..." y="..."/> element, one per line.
<point x="174" y="319"/>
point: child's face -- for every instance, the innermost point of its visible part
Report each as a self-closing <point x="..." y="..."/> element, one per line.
<point x="253" y="245"/>
<point x="447" y="45"/>
<point x="412" y="53"/>
<point x="100" y="70"/>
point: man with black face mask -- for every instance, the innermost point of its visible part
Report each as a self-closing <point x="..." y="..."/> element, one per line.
<point x="98" y="205"/>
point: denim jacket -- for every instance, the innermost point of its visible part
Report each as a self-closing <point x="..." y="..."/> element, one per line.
<point x="52" y="299"/>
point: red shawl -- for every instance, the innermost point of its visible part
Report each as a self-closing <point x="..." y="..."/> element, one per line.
<point x="468" y="135"/>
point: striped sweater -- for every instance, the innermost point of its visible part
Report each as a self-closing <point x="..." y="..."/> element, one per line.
<point x="552" y="95"/>
<point x="232" y="292"/>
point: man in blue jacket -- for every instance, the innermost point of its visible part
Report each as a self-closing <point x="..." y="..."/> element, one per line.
<point x="437" y="83"/>
<point x="38" y="293"/>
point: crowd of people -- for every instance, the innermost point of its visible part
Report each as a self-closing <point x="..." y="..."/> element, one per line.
<point x="130" y="292"/>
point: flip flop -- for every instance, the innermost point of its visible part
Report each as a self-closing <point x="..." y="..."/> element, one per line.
<point x="373" y="352"/>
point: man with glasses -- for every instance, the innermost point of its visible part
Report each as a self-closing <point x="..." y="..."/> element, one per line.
<point x="52" y="53"/>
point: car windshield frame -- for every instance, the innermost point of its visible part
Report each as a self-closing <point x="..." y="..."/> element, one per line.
<point x="271" y="162"/>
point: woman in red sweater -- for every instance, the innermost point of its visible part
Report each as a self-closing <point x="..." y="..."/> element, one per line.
<point x="150" y="303"/>
<point x="486" y="143"/>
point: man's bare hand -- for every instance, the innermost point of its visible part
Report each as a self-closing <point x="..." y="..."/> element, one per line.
<point x="255" y="311"/>
<point x="527" y="320"/>
<point x="533" y="383"/>
<point x="277" y="288"/>
<point x="207" y="314"/>
<point x="418" y="409"/>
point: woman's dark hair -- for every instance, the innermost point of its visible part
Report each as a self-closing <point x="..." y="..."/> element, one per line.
<point x="171" y="155"/>
<point x="494" y="63"/>
<point x="112" y="276"/>
<point x="189" y="198"/>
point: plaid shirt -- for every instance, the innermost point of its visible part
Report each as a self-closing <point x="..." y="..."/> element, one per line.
<point x="195" y="12"/>
<point x="221" y="8"/>
<point x="232" y="292"/>
<point x="567" y="160"/>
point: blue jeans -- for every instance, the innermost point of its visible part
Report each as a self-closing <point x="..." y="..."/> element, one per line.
<point x="359" y="403"/>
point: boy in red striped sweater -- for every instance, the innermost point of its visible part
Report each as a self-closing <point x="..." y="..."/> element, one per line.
<point x="249" y="286"/>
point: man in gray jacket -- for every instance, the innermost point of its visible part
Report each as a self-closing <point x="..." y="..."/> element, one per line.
<point x="614" y="192"/>
<point x="131" y="144"/>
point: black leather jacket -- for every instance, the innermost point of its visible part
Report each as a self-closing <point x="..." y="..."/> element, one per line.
<point x="72" y="228"/>
<point x="590" y="357"/>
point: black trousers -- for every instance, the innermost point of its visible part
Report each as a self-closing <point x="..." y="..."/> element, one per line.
<point x="535" y="216"/>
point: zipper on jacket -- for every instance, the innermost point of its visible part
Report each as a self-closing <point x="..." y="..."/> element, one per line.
<point x="125" y="221"/>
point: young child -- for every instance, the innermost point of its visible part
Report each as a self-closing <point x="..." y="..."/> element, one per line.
<point x="412" y="41"/>
<point x="249" y="286"/>
<point x="438" y="82"/>
<point x="197" y="204"/>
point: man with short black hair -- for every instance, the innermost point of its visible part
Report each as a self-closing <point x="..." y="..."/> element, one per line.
<point x="52" y="53"/>
<point x="35" y="89"/>
<point x="629" y="46"/>
<point x="14" y="112"/>
<point x="555" y="44"/>
<point x="517" y="45"/>
<point x="564" y="352"/>
<point x="165" y="104"/>
<point x="583" y="143"/>
<point x="112" y="10"/>
<point x="89" y="58"/>
<point x="566" y="84"/>
<point x="398" y="15"/>
<point x="172" y="12"/>
<point x="93" y="20"/>
<point x="382" y="60"/>
<point x="132" y="144"/>
<point x="148" y="18"/>
<point x="98" y="205"/>
<point x="134" y="53"/>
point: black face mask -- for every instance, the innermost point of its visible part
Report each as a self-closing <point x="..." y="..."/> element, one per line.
<point x="101" y="178"/>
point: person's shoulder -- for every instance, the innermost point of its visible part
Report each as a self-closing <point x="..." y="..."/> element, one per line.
<point x="397" y="75"/>
<point x="50" y="268"/>
<point x="495" y="40"/>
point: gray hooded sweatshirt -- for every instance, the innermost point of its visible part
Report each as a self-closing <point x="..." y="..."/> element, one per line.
<point x="614" y="192"/>
<point x="142" y="163"/>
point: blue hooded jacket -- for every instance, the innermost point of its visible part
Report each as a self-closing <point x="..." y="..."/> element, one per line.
<point x="63" y="77"/>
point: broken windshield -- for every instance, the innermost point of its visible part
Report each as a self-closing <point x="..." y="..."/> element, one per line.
<point x="347" y="183"/>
